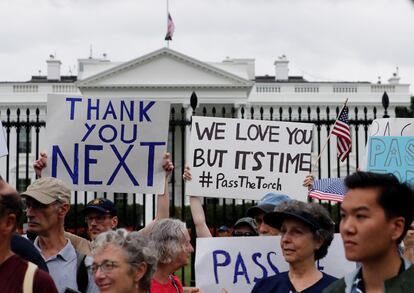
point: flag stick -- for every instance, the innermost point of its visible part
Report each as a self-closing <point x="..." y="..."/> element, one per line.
<point x="329" y="136"/>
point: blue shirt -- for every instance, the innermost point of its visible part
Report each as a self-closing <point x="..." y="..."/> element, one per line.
<point x="280" y="283"/>
<point x="62" y="269"/>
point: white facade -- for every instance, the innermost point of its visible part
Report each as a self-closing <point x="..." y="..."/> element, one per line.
<point x="169" y="75"/>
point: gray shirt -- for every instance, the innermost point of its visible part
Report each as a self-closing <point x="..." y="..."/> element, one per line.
<point x="62" y="269"/>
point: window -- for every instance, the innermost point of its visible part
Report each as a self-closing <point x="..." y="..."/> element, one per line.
<point x="24" y="145"/>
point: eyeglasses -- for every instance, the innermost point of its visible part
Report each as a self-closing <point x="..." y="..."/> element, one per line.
<point x="36" y="205"/>
<point x="238" y="234"/>
<point x="106" y="266"/>
<point x="98" y="219"/>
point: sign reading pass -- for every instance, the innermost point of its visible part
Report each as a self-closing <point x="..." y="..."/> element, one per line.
<point x="102" y="144"/>
<point x="392" y="154"/>
<point x="235" y="264"/>
<point x="239" y="158"/>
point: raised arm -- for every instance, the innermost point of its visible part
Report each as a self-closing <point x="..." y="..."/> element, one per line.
<point x="163" y="200"/>
<point x="197" y="212"/>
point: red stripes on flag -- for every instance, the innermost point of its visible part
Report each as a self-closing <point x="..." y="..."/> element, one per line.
<point x="343" y="133"/>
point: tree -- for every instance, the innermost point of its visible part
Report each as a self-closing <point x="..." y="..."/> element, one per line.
<point x="405" y="111"/>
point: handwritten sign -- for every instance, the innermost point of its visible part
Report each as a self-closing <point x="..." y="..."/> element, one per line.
<point x="235" y="264"/>
<point x="102" y="144"/>
<point x="3" y="144"/>
<point x="392" y="127"/>
<point x="392" y="154"/>
<point x="239" y="158"/>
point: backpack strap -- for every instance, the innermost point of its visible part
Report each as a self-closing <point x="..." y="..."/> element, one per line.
<point x="81" y="272"/>
<point x="29" y="277"/>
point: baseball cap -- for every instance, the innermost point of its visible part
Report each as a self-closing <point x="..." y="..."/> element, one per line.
<point x="223" y="228"/>
<point x="102" y="205"/>
<point x="48" y="190"/>
<point x="246" y="221"/>
<point x="275" y="219"/>
<point x="267" y="204"/>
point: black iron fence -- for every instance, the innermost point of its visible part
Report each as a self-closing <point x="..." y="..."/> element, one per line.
<point x="24" y="131"/>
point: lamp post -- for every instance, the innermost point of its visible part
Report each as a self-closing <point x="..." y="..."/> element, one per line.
<point x="385" y="104"/>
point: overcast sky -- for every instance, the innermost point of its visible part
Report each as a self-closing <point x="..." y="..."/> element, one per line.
<point x="351" y="40"/>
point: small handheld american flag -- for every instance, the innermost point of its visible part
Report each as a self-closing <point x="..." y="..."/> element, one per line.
<point x="332" y="189"/>
<point x="343" y="133"/>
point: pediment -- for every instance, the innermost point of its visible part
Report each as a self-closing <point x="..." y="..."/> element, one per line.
<point x="164" y="68"/>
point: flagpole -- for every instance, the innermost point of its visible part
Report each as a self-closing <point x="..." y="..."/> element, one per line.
<point x="329" y="137"/>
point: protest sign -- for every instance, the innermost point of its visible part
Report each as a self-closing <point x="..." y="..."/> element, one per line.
<point x="392" y="127"/>
<point x="245" y="159"/>
<point x="112" y="145"/>
<point x="3" y="145"/>
<point x="388" y="127"/>
<point x="392" y="154"/>
<point x="235" y="264"/>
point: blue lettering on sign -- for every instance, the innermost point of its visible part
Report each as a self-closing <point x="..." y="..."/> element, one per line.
<point x="217" y="264"/>
<point x="274" y="268"/>
<point x="89" y="130"/>
<point x="91" y="108"/>
<point x="109" y="111"/>
<point x="72" y="106"/>
<point x="74" y="174"/>
<point x="392" y="154"/>
<point x="130" y="112"/>
<point x="143" y="110"/>
<point x="110" y="138"/>
<point x="122" y="164"/>
<point x="89" y="161"/>
<point x="134" y="134"/>
<point x="151" y="146"/>
<point x="240" y="269"/>
<point x="255" y="257"/>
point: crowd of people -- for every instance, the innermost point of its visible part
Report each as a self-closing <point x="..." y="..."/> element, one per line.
<point x="376" y="227"/>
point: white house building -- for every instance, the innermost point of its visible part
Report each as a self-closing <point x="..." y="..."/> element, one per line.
<point x="166" y="74"/>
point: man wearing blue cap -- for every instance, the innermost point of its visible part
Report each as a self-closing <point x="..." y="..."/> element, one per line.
<point x="100" y="216"/>
<point x="266" y="205"/>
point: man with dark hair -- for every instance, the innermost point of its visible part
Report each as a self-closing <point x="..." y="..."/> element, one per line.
<point x="20" y="245"/>
<point x="376" y="213"/>
<point x="16" y="274"/>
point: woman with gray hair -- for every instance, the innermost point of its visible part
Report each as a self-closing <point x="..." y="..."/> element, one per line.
<point x="306" y="232"/>
<point x="171" y="240"/>
<point x="122" y="262"/>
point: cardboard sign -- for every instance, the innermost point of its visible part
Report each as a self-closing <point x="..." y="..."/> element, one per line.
<point x="235" y="264"/>
<point x="112" y="145"/>
<point x="3" y="144"/>
<point x="392" y="154"/>
<point x="245" y="159"/>
<point x="388" y="127"/>
<point x="392" y="127"/>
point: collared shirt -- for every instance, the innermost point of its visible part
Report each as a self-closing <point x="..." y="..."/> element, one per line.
<point x="62" y="268"/>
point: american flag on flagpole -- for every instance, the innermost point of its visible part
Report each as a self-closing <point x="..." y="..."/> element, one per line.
<point x="170" y="28"/>
<point x="343" y="133"/>
<point x="332" y="189"/>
